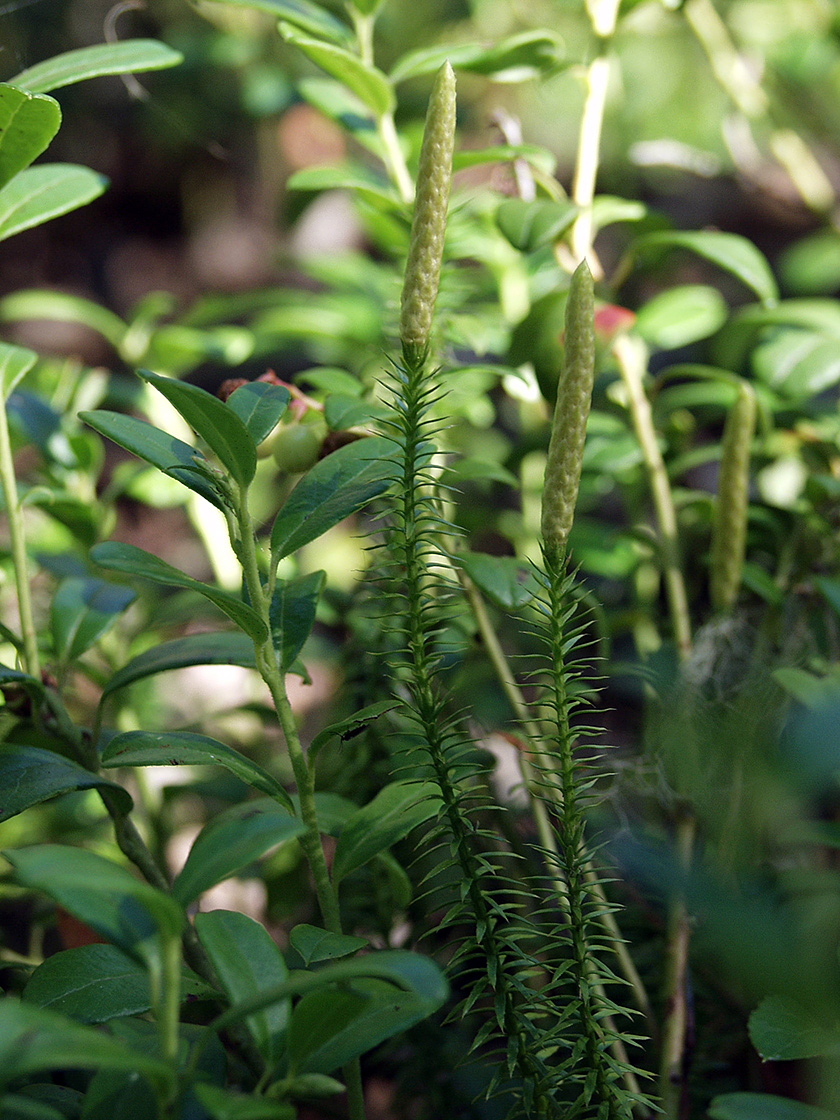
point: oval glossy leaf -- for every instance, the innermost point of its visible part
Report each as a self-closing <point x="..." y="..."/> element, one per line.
<point x="784" y="1031"/>
<point x="407" y="971"/>
<point x="259" y="406"/>
<point x="28" y="122"/>
<point x="292" y="614"/>
<point x="343" y="411"/>
<point x="515" y="59"/>
<point x="15" y="363"/>
<point x="729" y="251"/>
<point x="509" y="582"/>
<point x="337" y="486"/>
<point x="681" y="315"/>
<point x="169" y="454"/>
<point x="95" y="983"/>
<point x="41" y="1101"/>
<point x="132" y="56"/>
<point x="37" y="194"/>
<point x="303" y="14"/>
<point x="352" y="726"/>
<point x="133" y="561"/>
<point x="226" y="1104"/>
<point x="330" y="1028"/>
<point x="219" y="426"/>
<point x="314" y="945"/>
<point x="126" y="911"/>
<point x="216" y="648"/>
<point x="37" y="303"/>
<point x="81" y="611"/>
<point x="32" y="775"/>
<point x="182" y="748"/>
<point x="368" y="84"/>
<point x="540" y="158"/>
<point x="349" y="177"/>
<point x="246" y="960"/>
<point x="798" y="364"/>
<point x="608" y="210"/>
<point x="392" y="814"/>
<point x="528" y="225"/>
<point x="33" y="1040"/>
<point x="231" y="841"/>
<point x="338" y="104"/>
<point x="762" y="1106"/>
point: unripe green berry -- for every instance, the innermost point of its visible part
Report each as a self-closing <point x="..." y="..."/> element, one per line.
<point x="568" y="429"/>
<point x="428" y="224"/>
<point x="296" y="446"/>
<point x="729" y="529"/>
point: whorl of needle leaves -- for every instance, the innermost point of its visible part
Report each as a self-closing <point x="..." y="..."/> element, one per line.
<point x="428" y="225"/>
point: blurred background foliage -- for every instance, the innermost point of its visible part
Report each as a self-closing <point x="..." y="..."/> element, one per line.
<point x="202" y="261"/>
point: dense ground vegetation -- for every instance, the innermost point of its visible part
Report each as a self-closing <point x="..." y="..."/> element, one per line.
<point x="419" y="570"/>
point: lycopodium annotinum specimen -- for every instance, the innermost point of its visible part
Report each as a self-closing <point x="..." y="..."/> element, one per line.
<point x="529" y="974"/>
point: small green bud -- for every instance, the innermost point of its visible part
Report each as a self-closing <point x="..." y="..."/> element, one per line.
<point x="729" y="529"/>
<point x="428" y="224"/>
<point x="568" y="428"/>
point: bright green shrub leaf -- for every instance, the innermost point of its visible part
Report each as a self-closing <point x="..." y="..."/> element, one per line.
<point x="507" y="581"/>
<point x="798" y="364"/>
<point x="344" y="411"/>
<point x="314" y="945"/>
<point x="15" y="363"/>
<point x="39" y="1101"/>
<point x="330" y="1028"/>
<point x="216" y="648"/>
<point x="292" y="614"/>
<point x="46" y="191"/>
<point x="811" y="266"/>
<point x="259" y="406"/>
<point x="350" y="177"/>
<point x="608" y="210"/>
<point x="33" y="1040"/>
<point x="131" y="57"/>
<point x="729" y="251"/>
<point x="368" y="84"/>
<point x="681" y="315"/>
<point x="230" y="842"/>
<point x="219" y="426"/>
<point x="389" y="817"/>
<point x="351" y="726"/>
<point x="331" y="380"/>
<point x="95" y="983"/>
<point x="303" y="14"/>
<point x="37" y="303"/>
<point x="28" y="122"/>
<point x="518" y="58"/>
<point x="224" y="1104"/>
<point x="528" y="225"/>
<point x="32" y="775"/>
<point x="169" y="454"/>
<point x="133" y="561"/>
<point x="538" y="157"/>
<point x="762" y="1106"/>
<point x="783" y="1031"/>
<point x="127" y="912"/>
<point x="246" y="960"/>
<point x="409" y="972"/>
<point x="33" y="688"/>
<point x="338" y="104"/>
<point x="183" y="748"/>
<point x="81" y="611"/>
<point x="337" y="486"/>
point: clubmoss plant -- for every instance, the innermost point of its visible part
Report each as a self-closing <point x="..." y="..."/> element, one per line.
<point x="729" y="529"/>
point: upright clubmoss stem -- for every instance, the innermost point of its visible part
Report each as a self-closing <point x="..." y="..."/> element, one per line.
<point x="729" y="527"/>
<point x="17" y="541"/>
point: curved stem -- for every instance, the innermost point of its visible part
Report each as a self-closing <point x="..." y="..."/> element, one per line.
<point x="17" y="542"/>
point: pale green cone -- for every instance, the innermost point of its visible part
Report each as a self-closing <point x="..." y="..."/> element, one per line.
<point x="729" y="529"/>
<point x="568" y="429"/>
<point x="428" y="225"/>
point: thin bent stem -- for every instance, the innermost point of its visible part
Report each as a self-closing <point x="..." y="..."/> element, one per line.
<point x="631" y="366"/>
<point x="17" y="541"/>
<point x="671" y="1071"/>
